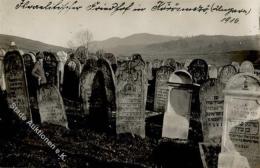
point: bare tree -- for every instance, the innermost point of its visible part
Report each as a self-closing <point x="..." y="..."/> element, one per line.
<point x="84" y="38"/>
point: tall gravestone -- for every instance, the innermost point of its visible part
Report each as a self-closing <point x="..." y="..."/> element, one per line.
<point x="212" y="109"/>
<point x="16" y="84"/>
<point x="161" y="88"/>
<point x="86" y="81"/>
<point x="51" y="106"/>
<point x="103" y="99"/>
<point x="71" y="78"/>
<point x="212" y="105"/>
<point x="130" y="98"/>
<point x="241" y="133"/>
<point x="176" y="120"/>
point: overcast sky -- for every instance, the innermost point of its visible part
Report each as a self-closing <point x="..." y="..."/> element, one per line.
<point x="57" y="28"/>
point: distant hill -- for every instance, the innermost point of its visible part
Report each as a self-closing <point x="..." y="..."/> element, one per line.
<point x="27" y="44"/>
<point x="133" y="40"/>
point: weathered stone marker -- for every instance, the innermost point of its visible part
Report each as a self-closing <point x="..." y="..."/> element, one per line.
<point x="51" y="106"/>
<point x="130" y="98"/>
<point x="86" y="81"/>
<point x="177" y="115"/>
<point x="241" y="133"/>
<point x="212" y="108"/>
<point x="161" y="88"/>
<point x="16" y="84"/>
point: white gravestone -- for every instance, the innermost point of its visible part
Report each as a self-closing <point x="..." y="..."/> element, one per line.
<point x="240" y="146"/>
<point x="177" y="115"/>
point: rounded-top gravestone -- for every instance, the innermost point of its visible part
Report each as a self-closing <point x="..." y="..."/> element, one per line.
<point x="246" y="66"/>
<point x="198" y="68"/>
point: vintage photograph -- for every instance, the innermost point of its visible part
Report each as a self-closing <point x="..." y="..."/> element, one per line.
<point x="130" y="83"/>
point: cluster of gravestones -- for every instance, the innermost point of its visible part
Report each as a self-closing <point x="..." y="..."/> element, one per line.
<point x="204" y="105"/>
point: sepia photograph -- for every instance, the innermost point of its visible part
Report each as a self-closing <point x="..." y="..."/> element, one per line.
<point x="130" y="83"/>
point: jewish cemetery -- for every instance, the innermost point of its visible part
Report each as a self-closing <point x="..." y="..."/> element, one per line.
<point x="122" y="85"/>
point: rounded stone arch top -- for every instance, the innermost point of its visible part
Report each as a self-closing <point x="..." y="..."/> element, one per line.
<point x="181" y="76"/>
<point x="244" y="82"/>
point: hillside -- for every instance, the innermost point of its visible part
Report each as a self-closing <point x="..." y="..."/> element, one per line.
<point x="140" y="39"/>
<point x="27" y="44"/>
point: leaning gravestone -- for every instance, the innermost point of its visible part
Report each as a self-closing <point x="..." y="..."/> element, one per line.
<point x="161" y="88"/>
<point x="177" y="116"/>
<point x="130" y="117"/>
<point x="246" y="66"/>
<point x="51" y="106"/>
<point x="71" y="78"/>
<point x="50" y="65"/>
<point x="241" y="133"/>
<point x="16" y="85"/>
<point x="198" y="68"/>
<point x="86" y="81"/>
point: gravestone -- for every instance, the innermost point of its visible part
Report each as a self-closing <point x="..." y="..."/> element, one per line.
<point x="157" y="63"/>
<point x="130" y="117"/>
<point x="241" y="133"/>
<point x="212" y="108"/>
<point x="16" y="85"/>
<point x="51" y="106"/>
<point x="177" y="116"/>
<point x="246" y="66"/>
<point x="170" y="62"/>
<point x="50" y="65"/>
<point x="213" y="72"/>
<point x="236" y="65"/>
<point x="82" y="54"/>
<point x="86" y="81"/>
<point x="103" y="99"/>
<point x="112" y="60"/>
<point x="161" y="88"/>
<point x="198" y="68"/>
<point x="71" y="78"/>
<point x="226" y="73"/>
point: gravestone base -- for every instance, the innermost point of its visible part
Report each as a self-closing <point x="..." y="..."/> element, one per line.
<point x="232" y="160"/>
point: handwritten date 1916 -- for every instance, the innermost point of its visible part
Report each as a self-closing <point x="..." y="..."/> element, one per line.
<point x="230" y="20"/>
